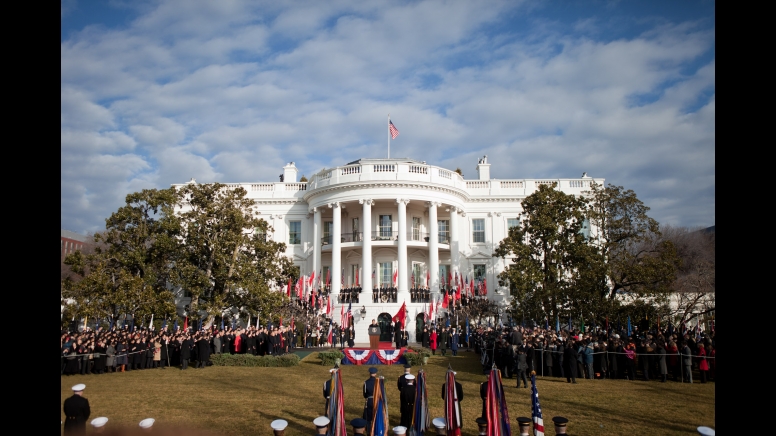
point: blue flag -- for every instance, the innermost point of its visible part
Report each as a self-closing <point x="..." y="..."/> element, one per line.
<point x="222" y="323"/>
<point x="175" y="325"/>
<point x="234" y="324"/>
<point x="448" y="322"/>
<point x="670" y="329"/>
<point x="200" y="324"/>
<point x="546" y="323"/>
<point x="164" y="324"/>
<point x="557" y="323"/>
<point x="132" y="324"/>
<point x="629" y="326"/>
<point x="466" y="338"/>
<point x="111" y="323"/>
<point x="569" y="323"/>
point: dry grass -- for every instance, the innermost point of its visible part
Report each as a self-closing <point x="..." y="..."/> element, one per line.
<point x="243" y="401"/>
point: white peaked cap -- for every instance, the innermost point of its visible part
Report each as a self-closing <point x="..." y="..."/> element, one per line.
<point x="99" y="422"/>
<point x="321" y="421"/>
<point x="279" y="424"/>
<point x="79" y="387"/>
<point x="147" y="423"/>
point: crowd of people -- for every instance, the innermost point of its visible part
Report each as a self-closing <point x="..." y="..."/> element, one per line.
<point x="598" y="354"/>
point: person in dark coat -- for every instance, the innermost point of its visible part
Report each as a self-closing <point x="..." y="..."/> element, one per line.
<point x="425" y="338"/>
<point x="660" y="352"/>
<point x="570" y="356"/>
<point x="454" y="341"/>
<point x="369" y="393"/>
<point x="397" y="336"/>
<point x="444" y="338"/>
<point x="407" y="400"/>
<point x="77" y="411"/>
<point x="484" y="396"/>
<point x="521" y="366"/>
<point x="548" y="361"/>
<point x="185" y="352"/>
<point x="165" y="352"/>
<point x="203" y="351"/>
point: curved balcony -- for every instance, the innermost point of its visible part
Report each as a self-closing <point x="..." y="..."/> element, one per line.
<point x="382" y="237"/>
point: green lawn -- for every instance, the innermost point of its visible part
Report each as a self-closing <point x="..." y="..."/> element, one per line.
<point x="243" y="401"/>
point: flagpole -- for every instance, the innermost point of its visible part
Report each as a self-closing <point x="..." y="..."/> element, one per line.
<point x="389" y="136"/>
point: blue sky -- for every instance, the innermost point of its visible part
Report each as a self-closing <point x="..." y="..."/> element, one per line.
<point x="157" y="92"/>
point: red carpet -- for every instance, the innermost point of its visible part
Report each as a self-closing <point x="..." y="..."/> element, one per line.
<point x="387" y="346"/>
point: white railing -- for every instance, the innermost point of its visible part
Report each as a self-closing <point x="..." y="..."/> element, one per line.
<point x="355" y="169"/>
<point x="384" y="168"/>
<point x="295" y="186"/>
<point x="512" y="184"/>
<point x="579" y="183"/>
<point x="325" y="176"/>
<point x="263" y="187"/>
<point x="477" y="184"/>
<point x="445" y="174"/>
<point x="417" y="169"/>
<point x="545" y="182"/>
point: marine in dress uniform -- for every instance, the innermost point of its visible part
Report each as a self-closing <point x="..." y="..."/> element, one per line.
<point x="402" y="381"/>
<point x="407" y="400"/>
<point x="369" y="393"/>
<point x="77" y="411"/>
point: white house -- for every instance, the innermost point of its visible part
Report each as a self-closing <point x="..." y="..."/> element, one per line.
<point x="386" y="215"/>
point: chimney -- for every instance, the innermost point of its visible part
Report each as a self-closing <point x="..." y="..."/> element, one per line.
<point x="483" y="168"/>
<point x="289" y="173"/>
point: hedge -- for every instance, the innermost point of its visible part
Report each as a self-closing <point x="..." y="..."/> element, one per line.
<point x="251" y="360"/>
<point x="328" y="357"/>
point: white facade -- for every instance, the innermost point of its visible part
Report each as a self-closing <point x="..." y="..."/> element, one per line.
<point x="385" y="212"/>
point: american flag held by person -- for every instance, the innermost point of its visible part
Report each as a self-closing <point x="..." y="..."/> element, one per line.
<point x="536" y="413"/>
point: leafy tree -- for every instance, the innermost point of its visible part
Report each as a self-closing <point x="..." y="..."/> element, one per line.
<point x="548" y="253"/>
<point x="227" y="260"/>
<point x="129" y="270"/>
<point x="638" y="261"/>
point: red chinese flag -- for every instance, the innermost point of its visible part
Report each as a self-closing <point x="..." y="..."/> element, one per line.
<point x="484" y="286"/>
<point x="444" y="300"/>
<point x="288" y="291"/>
<point x="186" y="324"/>
<point x="402" y="315"/>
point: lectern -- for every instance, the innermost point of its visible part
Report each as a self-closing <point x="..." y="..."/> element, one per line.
<point x="374" y="337"/>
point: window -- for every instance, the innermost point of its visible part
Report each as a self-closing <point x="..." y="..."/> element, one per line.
<point x="418" y="275"/>
<point x="353" y="274"/>
<point x="261" y="235"/>
<point x="479" y="272"/>
<point x="386" y="273"/>
<point x="478" y="230"/>
<point x="328" y="229"/>
<point x="512" y="222"/>
<point x="386" y="226"/>
<point x="295" y="232"/>
<point x="416" y="228"/>
<point x="444" y="231"/>
<point x="355" y="230"/>
<point x="585" y="230"/>
<point x="444" y="270"/>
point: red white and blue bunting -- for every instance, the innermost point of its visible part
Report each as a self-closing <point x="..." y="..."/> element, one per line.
<point x="363" y="356"/>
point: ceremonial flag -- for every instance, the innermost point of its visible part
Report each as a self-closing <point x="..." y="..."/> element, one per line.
<point x="342" y="316"/>
<point x="536" y="409"/>
<point x="431" y="312"/>
<point x="428" y="278"/>
<point x="379" y="426"/>
<point x="110" y="327"/>
<point x="331" y="330"/>
<point x="496" y="406"/>
<point x="336" y="411"/>
<point x="569" y="323"/>
<point x="257" y="322"/>
<point x="444" y="300"/>
<point x="413" y="279"/>
<point x="582" y="324"/>
<point x="132" y="324"/>
<point x="175" y="325"/>
<point x="311" y="280"/>
<point x="151" y="324"/>
<point x="401" y="316"/>
<point x="288" y="291"/>
<point x="466" y="338"/>
<point x="328" y="277"/>
<point x="328" y="305"/>
<point x="300" y="288"/>
<point x="546" y="323"/>
<point x="186" y="324"/>
<point x="394" y="131"/>
<point x="395" y="278"/>
<point x="607" y="323"/>
<point x="348" y="315"/>
<point x="557" y="324"/>
<point x="222" y="323"/>
<point x="458" y="293"/>
<point x="447" y="324"/>
<point x="671" y="328"/>
<point x="452" y="405"/>
<point x="484" y="286"/>
<point x="421" y="420"/>
<point x="357" y="277"/>
<point x="629" y="326"/>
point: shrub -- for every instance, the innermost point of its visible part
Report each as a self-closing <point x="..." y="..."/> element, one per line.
<point x="328" y="357"/>
<point x="420" y="350"/>
<point x="251" y="360"/>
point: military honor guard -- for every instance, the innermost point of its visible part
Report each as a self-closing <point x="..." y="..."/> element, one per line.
<point x="77" y="411"/>
<point x="321" y="425"/>
<point x="402" y="381"/>
<point x="407" y="400"/>
<point x="369" y="393"/>
<point x="99" y="424"/>
<point x="279" y="427"/>
<point x="359" y="426"/>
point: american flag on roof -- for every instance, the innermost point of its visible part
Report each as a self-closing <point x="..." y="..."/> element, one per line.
<point x="393" y="129"/>
<point x="536" y="413"/>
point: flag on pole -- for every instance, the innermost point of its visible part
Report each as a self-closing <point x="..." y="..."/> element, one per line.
<point x="431" y="312"/>
<point x="466" y="338"/>
<point x="343" y="323"/>
<point x="331" y="330"/>
<point x="186" y="324"/>
<point x="428" y="278"/>
<point x="336" y="411"/>
<point x="379" y="427"/>
<point x="393" y="129"/>
<point x="151" y="324"/>
<point x="536" y="409"/>
<point x="288" y="291"/>
<point x="257" y="322"/>
<point x="401" y="316"/>
<point x="496" y="406"/>
<point x="328" y="277"/>
<point x="484" y="286"/>
<point x="357" y="277"/>
<point x="629" y="326"/>
<point x="395" y="277"/>
<point x="452" y="405"/>
<point x="175" y="325"/>
<point x="444" y="300"/>
<point x="222" y="323"/>
<point x="328" y="305"/>
<point x="421" y="420"/>
<point x="348" y="314"/>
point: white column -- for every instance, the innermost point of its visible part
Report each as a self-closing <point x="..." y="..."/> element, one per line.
<point x="493" y="261"/>
<point x="317" y="234"/>
<point x="433" y="249"/>
<point x="454" y="247"/>
<point x="336" y="251"/>
<point x="366" y="251"/>
<point x="403" y="291"/>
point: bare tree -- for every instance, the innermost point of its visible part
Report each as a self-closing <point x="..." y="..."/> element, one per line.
<point x="695" y="284"/>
